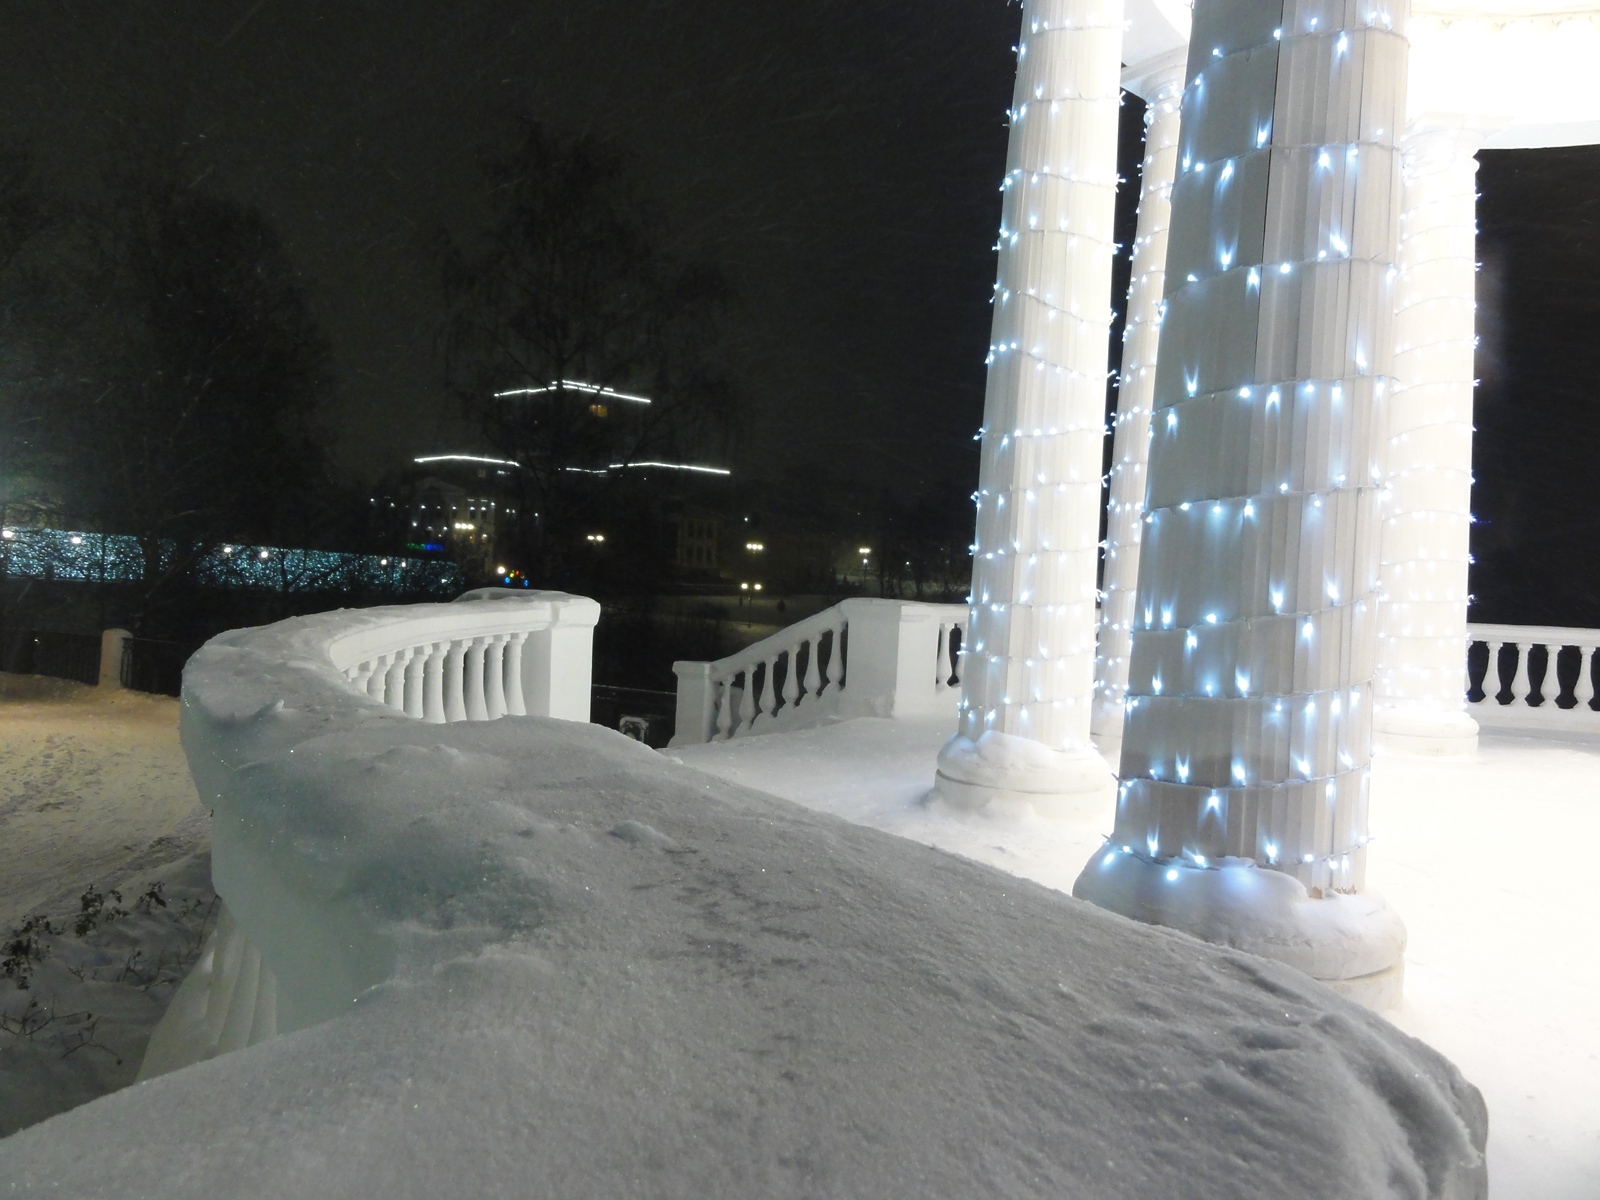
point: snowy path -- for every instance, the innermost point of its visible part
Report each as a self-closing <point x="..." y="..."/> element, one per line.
<point x="94" y="792"/>
<point x="1499" y="974"/>
<point x="93" y="787"/>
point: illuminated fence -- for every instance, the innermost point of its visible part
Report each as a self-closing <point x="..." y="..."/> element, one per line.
<point x="33" y="553"/>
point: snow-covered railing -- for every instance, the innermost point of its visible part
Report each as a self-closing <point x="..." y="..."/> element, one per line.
<point x="493" y="659"/>
<point x="271" y="720"/>
<point x="860" y="658"/>
<point x="1535" y="677"/>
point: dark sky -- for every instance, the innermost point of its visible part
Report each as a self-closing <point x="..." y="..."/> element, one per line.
<point x="840" y="158"/>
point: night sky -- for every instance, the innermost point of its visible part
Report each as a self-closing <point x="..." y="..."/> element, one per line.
<point x="840" y="158"/>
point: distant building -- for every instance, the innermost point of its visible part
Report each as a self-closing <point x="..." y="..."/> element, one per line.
<point x="698" y="535"/>
<point x="454" y="505"/>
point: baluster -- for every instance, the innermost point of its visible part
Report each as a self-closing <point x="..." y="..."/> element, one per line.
<point x="747" y="702"/>
<point x="417" y="662"/>
<point x="755" y="693"/>
<point x="477" y="710"/>
<point x="1519" y="682"/>
<point x="791" y="678"/>
<point x="1491" y="676"/>
<point x="516" y="705"/>
<point x="841" y="647"/>
<point x="961" y="656"/>
<point x="769" y="688"/>
<point x="380" y="672"/>
<point x="394" y="680"/>
<point x="360" y="674"/>
<point x="813" y="681"/>
<point x="941" y="660"/>
<point x="835" y="668"/>
<point x="494" y="677"/>
<point x="455" y="706"/>
<point x="433" y="684"/>
<point x="1583" y="688"/>
<point x="724" y="696"/>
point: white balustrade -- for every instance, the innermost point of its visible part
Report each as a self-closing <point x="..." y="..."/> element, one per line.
<point x="884" y="658"/>
<point x="447" y="664"/>
<point x="489" y="655"/>
<point x="1506" y="695"/>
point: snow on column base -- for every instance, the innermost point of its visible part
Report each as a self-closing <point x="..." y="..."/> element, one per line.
<point x="1001" y="771"/>
<point x="1436" y="734"/>
<point x="1353" y="942"/>
<point x="1378" y="992"/>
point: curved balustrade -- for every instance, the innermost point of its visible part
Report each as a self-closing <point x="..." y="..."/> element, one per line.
<point x="468" y="664"/>
<point x="1532" y="677"/>
<point x="252" y="698"/>
<point x="859" y="658"/>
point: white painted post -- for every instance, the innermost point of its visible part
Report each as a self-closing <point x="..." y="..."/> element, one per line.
<point x="696" y="695"/>
<point x="1162" y="89"/>
<point x="1425" y="502"/>
<point x="113" y="643"/>
<point x="1029" y="678"/>
<point x="1248" y="732"/>
<point x="558" y="664"/>
<point x="894" y="645"/>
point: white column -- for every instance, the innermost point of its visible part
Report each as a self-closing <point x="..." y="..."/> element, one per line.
<point x="1242" y="810"/>
<point x="1162" y="89"/>
<point x="1029" y="676"/>
<point x="1424" y="506"/>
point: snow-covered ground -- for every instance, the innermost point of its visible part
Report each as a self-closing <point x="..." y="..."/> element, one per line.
<point x="93" y="787"/>
<point x="1501" y="975"/>
<point x="613" y="976"/>
<point x="100" y="830"/>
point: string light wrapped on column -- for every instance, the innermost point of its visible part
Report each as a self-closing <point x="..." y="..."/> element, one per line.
<point x="1029" y="674"/>
<point x="1243" y="795"/>
<point x="1130" y="449"/>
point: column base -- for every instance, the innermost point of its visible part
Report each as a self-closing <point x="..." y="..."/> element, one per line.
<point x="1353" y="942"/>
<point x="1435" y="734"/>
<point x="1380" y="991"/>
<point x="1001" y="772"/>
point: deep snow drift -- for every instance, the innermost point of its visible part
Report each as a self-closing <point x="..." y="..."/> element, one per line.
<point x="1497" y="976"/>
<point x="614" y="976"/>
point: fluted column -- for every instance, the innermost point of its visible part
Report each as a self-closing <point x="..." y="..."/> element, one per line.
<point x="1425" y="504"/>
<point x="1242" y="808"/>
<point x="1162" y="90"/>
<point x="1029" y="674"/>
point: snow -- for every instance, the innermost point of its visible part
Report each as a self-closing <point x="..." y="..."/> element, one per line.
<point x="94" y="793"/>
<point x="93" y="785"/>
<point x="1498" y="976"/>
<point x="600" y="973"/>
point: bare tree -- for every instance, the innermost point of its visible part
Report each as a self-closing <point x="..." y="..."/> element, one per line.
<point x="174" y="369"/>
<point x="568" y="281"/>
